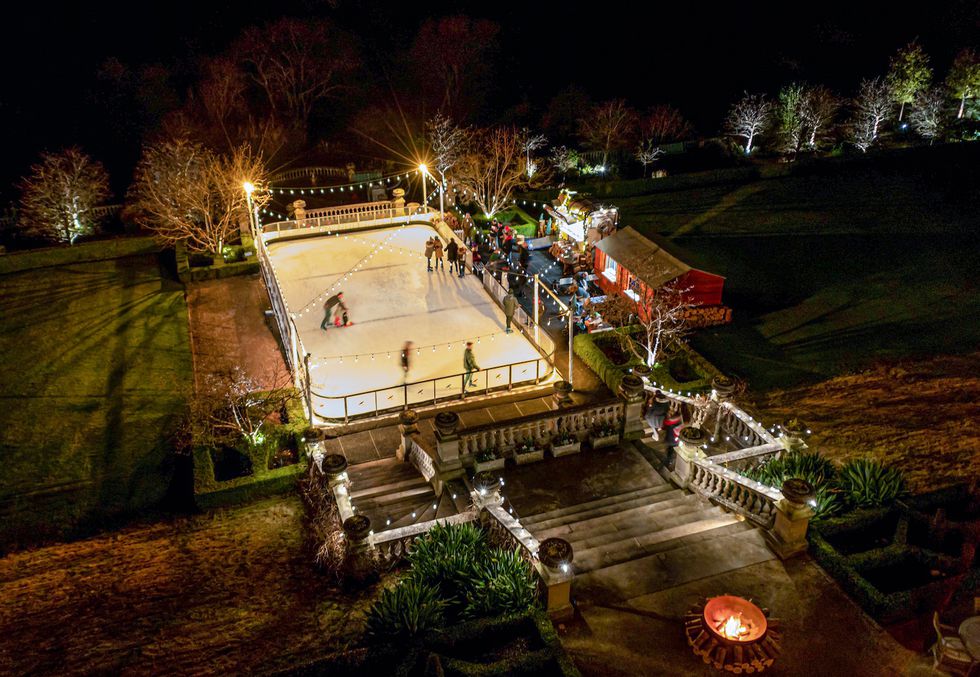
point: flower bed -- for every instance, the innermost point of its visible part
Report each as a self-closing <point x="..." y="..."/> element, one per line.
<point x="528" y="451"/>
<point x="488" y="459"/>
<point x="563" y="445"/>
<point x="605" y="436"/>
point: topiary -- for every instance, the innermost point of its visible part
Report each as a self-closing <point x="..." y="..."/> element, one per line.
<point x="405" y="611"/>
<point x="866" y="483"/>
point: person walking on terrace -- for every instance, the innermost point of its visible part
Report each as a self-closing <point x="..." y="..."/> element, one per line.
<point x="469" y="366"/>
<point x="510" y="307"/>
<point x="672" y="424"/>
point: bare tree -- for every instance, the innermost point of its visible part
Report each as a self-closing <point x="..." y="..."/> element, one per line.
<point x="660" y="312"/>
<point x="647" y="153"/>
<point x="231" y="406"/>
<point x="818" y="108"/>
<point x="448" y="142"/>
<point x="297" y="63"/>
<point x="748" y="118"/>
<point x="664" y="124"/>
<point x="222" y="94"/>
<point x="963" y="79"/>
<point x="59" y="197"/>
<point x="908" y="74"/>
<point x="928" y="117"/>
<point x="493" y="168"/>
<point x="531" y="142"/>
<point x="564" y="159"/>
<point x="186" y="193"/>
<point x="608" y="127"/>
<point x="872" y="107"/>
<point x="789" y="118"/>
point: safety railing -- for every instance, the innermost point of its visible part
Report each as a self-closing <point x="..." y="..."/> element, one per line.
<point x="393" y="545"/>
<point x="537" y="336"/>
<point x="344" y="222"/>
<point x="311" y="172"/>
<point x="337" y="408"/>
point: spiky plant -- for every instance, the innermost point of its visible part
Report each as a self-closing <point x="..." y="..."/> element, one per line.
<point x="449" y="558"/>
<point x="866" y="483"/>
<point x="506" y="585"/>
<point x="405" y="611"/>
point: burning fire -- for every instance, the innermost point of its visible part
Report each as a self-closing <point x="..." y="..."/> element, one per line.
<point x="732" y="628"/>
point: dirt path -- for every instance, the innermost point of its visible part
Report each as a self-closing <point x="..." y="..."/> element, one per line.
<point x="922" y="416"/>
<point x="226" y="592"/>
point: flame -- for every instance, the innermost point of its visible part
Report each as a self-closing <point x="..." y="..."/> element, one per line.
<point x="732" y="628"/>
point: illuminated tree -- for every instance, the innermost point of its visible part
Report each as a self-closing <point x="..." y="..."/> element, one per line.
<point x="59" y="197"/>
<point x="447" y="141"/>
<point x="492" y="168"/>
<point x="963" y="79"/>
<point x="531" y="142"/>
<point x="872" y="107"/>
<point x="564" y="159"/>
<point x="908" y="74"/>
<point x="661" y="313"/>
<point x="647" y="153"/>
<point x="789" y="118"/>
<point x="928" y="117"/>
<point x="183" y="192"/>
<point x="748" y="118"/>
<point x="818" y="108"/>
<point x="607" y="127"/>
<point x="297" y="63"/>
<point x="664" y="124"/>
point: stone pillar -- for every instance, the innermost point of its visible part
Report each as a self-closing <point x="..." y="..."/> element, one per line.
<point x="359" y="562"/>
<point x="299" y="210"/>
<point x="334" y="468"/>
<point x="447" y="441"/>
<point x="554" y="566"/>
<point x="722" y="388"/>
<point x="398" y="198"/>
<point x="408" y="420"/>
<point x="562" y="393"/>
<point x="689" y="448"/>
<point x="788" y="534"/>
<point x="792" y="434"/>
<point x="631" y="390"/>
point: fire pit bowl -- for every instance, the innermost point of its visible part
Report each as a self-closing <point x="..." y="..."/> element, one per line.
<point x="733" y="619"/>
<point x="732" y="634"/>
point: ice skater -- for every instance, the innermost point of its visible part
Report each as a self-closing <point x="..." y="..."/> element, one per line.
<point x="330" y="309"/>
<point x="437" y="252"/>
<point x="429" y="249"/>
<point x="469" y="365"/>
<point x="406" y="359"/>
<point x="452" y="255"/>
<point x="510" y="307"/>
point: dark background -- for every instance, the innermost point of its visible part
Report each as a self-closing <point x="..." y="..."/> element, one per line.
<point x="694" y="56"/>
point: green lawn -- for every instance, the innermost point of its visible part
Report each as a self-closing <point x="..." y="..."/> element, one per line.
<point x="833" y="265"/>
<point x="96" y="365"/>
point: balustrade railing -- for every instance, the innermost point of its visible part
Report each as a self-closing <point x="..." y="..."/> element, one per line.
<point x="743" y="460"/>
<point x="578" y="422"/>
<point x="345" y="221"/>
<point x="739" y="425"/>
<point x="753" y="500"/>
<point x="506" y="530"/>
<point x="312" y="172"/>
<point x="421" y="460"/>
<point x="394" y="544"/>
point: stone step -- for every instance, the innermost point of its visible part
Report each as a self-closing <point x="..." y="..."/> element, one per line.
<point x="416" y="494"/>
<point x="401" y="514"/>
<point x="655" y="455"/>
<point x="381" y="471"/>
<point x="711" y="553"/>
<point x="663" y="541"/>
<point x="570" y="511"/>
<point x="360" y="492"/>
<point x="649" y="516"/>
<point x="458" y="494"/>
<point x="607" y="507"/>
<point x="640" y="524"/>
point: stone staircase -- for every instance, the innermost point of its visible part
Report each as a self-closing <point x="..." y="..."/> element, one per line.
<point x="393" y="494"/>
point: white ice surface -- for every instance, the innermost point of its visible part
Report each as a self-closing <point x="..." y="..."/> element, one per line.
<point x="392" y="298"/>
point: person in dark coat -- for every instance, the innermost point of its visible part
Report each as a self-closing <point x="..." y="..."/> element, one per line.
<point x="525" y="256"/>
<point x="333" y="304"/>
<point x="657" y="412"/>
<point x="452" y="255"/>
<point x="672" y="424"/>
<point x="510" y="307"/>
<point x="406" y="358"/>
<point x="469" y="365"/>
<point x="437" y="252"/>
<point x="508" y="247"/>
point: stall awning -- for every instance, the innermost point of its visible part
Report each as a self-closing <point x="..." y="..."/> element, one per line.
<point x="646" y="260"/>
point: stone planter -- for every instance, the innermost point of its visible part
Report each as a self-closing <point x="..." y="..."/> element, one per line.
<point x="605" y="441"/>
<point x="562" y="393"/>
<point x="529" y="456"/>
<point x="446" y="422"/>
<point x="566" y="449"/>
<point x="643" y="371"/>
<point x="493" y="464"/>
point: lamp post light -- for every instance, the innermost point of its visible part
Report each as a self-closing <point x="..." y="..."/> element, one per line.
<point x="423" y="170"/>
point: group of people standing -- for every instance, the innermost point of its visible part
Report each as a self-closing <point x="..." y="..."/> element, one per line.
<point x="452" y="252"/>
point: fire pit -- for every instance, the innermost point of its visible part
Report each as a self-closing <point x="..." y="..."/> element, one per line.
<point x="733" y="634"/>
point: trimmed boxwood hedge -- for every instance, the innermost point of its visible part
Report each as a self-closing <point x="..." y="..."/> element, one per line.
<point x="243" y="257"/>
<point x="587" y="347"/>
<point x="262" y="482"/>
<point x="99" y="250"/>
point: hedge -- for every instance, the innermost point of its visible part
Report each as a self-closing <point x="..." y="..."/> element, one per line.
<point x="248" y="264"/>
<point x="100" y="250"/>
<point x="585" y="346"/>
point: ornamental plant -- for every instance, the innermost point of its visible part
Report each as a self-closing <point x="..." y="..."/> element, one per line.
<point x="407" y="610"/>
<point x="527" y="446"/>
<point x="866" y="483"/>
<point x="487" y="455"/>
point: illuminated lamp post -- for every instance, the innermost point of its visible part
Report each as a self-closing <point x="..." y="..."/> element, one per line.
<point x="423" y="170"/>
<point x="253" y="216"/>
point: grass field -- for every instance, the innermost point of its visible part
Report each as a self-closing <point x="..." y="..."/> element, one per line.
<point x="833" y="265"/>
<point x="96" y="365"/>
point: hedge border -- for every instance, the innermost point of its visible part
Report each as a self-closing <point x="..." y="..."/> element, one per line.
<point x="100" y="250"/>
<point x="186" y="273"/>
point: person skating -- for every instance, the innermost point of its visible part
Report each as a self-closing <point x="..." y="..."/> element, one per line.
<point x="406" y="358"/>
<point x="429" y="249"/>
<point x="330" y="308"/>
<point x="469" y="366"/>
<point x="437" y="253"/>
<point x="452" y="255"/>
<point x="510" y="307"/>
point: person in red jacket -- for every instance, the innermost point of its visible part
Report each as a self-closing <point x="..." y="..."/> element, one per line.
<point x="672" y="425"/>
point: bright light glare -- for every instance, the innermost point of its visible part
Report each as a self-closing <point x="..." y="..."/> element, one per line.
<point x="249" y="188"/>
<point x="423" y="168"/>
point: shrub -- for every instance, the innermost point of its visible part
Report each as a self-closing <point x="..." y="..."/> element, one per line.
<point x="866" y="483"/>
<point x="811" y="467"/>
<point x="405" y="611"/>
<point x="448" y="559"/>
<point x="506" y="585"/>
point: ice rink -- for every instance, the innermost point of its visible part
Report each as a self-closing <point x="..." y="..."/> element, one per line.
<point x="391" y="298"/>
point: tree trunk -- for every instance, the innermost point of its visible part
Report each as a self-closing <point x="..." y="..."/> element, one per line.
<point x="901" y="111"/>
<point x="959" y="115"/>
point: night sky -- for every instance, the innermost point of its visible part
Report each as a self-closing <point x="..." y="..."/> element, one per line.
<point x="686" y="54"/>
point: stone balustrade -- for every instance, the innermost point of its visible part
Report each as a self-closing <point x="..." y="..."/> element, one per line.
<point x="741" y="495"/>
<point x="420" y="458"/>
<point x="737" y="424"/>
<point x="742" y="460"/>
<point x="393" y="545"/>
<point x="507" y="530"/>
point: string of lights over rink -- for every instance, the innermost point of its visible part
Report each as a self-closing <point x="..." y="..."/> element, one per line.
<point x="339" y="359"/>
